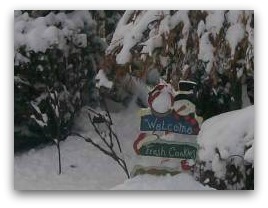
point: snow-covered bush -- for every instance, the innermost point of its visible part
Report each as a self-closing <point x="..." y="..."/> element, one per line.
<point x="226" y="146"/>
<point x="54" y="52"/>
<point x="217" y="46"/>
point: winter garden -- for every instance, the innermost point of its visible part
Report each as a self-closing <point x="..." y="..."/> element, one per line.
<point x="134" y="100"/>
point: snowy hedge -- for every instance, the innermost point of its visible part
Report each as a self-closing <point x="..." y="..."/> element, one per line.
<point x="55" y="59"/>
<point x="145" y="31"/>
<point x="42" y="33"/>
<point x="228" y="139"/>
<point x="213" y="48"/>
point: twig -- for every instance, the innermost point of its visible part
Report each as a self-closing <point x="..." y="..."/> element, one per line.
<point x="111" y="154"/>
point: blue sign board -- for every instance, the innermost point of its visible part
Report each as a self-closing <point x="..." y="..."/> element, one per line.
<point x="171" y="123"/>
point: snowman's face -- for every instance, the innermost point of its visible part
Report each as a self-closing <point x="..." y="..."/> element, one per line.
<point x="184" y="107"/>
<point x="160" y="102"/>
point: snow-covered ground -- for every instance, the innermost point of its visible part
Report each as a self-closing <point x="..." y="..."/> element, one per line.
<point x="83" y="166"/>
<point x="86" y="168"/>
<point x="181" y="181"/>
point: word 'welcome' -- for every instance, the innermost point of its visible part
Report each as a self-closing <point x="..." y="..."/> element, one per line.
<point x="168" y="123"/>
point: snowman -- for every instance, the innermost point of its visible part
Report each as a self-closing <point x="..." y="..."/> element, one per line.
<point x="183" y="104"/>
<point x="160" y="99"/>
<point x="183" y="101"/>
<point x="183" y="107"/>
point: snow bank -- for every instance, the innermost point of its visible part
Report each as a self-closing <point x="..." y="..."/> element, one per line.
<point x="181" y="181"/>
<point x="228" y="134"/>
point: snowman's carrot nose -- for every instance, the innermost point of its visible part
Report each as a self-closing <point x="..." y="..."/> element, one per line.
<point x="181" y="108"/>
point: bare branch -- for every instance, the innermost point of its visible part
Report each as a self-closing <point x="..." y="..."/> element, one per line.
<point x="110" y="133"/>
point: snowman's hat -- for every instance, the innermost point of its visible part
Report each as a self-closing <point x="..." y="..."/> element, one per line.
<point x="190" y="97"/>
<point x="185" y="85"/>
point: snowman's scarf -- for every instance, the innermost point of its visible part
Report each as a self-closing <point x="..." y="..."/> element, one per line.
<point x="190" y="119"/>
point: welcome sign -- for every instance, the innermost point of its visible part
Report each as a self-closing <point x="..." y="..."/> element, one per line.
<point x="167" y="153"/>
<point x="171" y="123"/>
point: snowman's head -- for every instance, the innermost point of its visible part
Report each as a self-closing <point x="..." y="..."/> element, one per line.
<point x="160" y="99"/>
<point x="162" y="103"/>
<point x="183" y="107"/>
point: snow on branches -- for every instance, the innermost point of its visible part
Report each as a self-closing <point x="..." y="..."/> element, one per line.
<point x="102" y="80"/>
<point x="41" y="33"/>
<point x="205" y="33"/>
<point x="217" y="46"/>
